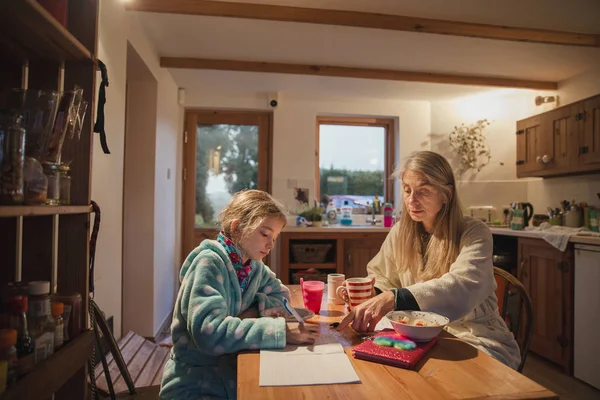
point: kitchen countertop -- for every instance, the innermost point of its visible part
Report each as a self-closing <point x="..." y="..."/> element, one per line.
<point x="533" y="234"/>
<point x="362" y="228"/>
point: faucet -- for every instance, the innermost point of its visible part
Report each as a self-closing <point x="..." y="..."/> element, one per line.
<point x="373" y="221"/>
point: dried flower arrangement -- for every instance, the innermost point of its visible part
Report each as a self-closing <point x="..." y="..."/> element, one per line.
<point x="471" y="145"/>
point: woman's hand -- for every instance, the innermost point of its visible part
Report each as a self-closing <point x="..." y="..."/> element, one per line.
<point x="301" y="334"/>
<point x="364" y="317"/>
<point x="250" y="312"/>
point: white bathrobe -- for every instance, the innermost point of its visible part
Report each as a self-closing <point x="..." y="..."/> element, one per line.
<point x="465" y="294"/>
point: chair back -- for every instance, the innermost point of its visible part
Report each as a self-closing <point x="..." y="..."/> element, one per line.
<point x="520" y="325"/>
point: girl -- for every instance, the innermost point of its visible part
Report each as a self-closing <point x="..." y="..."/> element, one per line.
<point x="224" y="287"/>
<point x="435" y="259"/>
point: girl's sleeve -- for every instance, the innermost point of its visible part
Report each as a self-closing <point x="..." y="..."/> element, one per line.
<point x="271" y="291"/>
<point x="468" y="283"/>
<point x="211" y="328"/>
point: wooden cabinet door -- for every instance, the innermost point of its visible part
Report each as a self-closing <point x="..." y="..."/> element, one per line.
<point x="590" y="138"/>
<point x="544" y="274"/>
<point x="560" y="147"/>
<point x="357" y="254"/>
<point x="530" y="145"/>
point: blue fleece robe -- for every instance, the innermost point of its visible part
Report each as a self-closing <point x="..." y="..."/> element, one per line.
<point x="205" y="329"/>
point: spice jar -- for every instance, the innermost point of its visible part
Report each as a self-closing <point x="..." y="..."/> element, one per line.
<point x="12" y="158"/>
<point x="65" y="185"/>
<point x="8" y="358"/>
<point x="57" y="310"/>
<point x="40" y="321"/>
<point x="72" y="314"/>
<point x="25" y="346"/>
<point x="52" y="173"/>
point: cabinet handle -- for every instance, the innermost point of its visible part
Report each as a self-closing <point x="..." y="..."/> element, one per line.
<point x="349" y="260"/>
<point x="523" y="272"/>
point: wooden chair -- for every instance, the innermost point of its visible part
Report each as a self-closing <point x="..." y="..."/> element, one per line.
<point x="508" y="286"/>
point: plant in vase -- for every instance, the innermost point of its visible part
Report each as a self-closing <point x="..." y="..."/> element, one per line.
<point x="313" y="216"/>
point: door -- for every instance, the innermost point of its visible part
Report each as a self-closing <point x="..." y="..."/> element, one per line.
<point x="545" y="276"/>
<point x="529" y="145"/>
<point x="561" y="144"/>
<point x="590" y="147"/>
<point x="587" y="303"/>
<point x="224" y="152"/>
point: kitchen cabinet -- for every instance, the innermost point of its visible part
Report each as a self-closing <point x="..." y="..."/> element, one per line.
<point x="349" y="252"/>
<point x="590" y="134"/>
<point x="547" y="274"/>
<point x="358" y="253"/>
<point x="562" y="141"/>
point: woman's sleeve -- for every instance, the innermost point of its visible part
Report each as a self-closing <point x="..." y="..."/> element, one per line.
<point x="211" y="328"/>
<point x="468" y="283"/>
<point x="271" y="291"/>
<point x="383" y="265"/>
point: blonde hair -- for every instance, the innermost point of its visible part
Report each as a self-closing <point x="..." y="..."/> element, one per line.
<point x="250" y="207"/>
<point x="432" y="259"/>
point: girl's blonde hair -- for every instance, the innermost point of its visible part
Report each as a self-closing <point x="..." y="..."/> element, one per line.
<point x="431" y="259"/>
<point x="250" y="207"/>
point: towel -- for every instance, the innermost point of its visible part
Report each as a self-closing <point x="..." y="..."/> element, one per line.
<point x="557" y="236"/>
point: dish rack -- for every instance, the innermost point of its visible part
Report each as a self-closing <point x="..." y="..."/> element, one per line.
<point x="310" y="253"/>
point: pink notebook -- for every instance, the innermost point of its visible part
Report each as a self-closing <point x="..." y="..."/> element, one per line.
<point x="370" y="351"/>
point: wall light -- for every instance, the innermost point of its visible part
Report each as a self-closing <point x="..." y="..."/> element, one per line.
<point x="539" y="100"/>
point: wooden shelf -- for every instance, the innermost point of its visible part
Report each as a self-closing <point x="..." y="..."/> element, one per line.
<point x="34" y="33"/>
<point x="51" y="374"/>
<point x="36" y="211"/>
<point x="315" y="266"/>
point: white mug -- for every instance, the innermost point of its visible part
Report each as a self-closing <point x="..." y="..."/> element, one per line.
<point x="333" y="282"/>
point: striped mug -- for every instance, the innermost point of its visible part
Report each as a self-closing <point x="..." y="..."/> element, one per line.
<point x="355" y="291"/>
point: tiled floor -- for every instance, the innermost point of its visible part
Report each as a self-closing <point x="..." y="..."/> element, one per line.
<point x="552" y="377"/>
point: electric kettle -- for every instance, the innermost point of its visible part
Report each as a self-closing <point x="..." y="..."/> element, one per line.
<point x="527" y="211"/>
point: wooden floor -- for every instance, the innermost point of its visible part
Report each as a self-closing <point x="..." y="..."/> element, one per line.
<point x="550" y="376"/>
<point x="145" y="361"/>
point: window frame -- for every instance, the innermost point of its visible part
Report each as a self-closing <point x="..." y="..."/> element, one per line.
<point x="389" y="124"/>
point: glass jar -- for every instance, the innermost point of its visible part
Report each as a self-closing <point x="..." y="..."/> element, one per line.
<point x="12" y="159"/>
<point x="65" y="185"/>
<point x="40" y="322"/>
<point x="52" y="173"/>
<point x="57" y="310"/>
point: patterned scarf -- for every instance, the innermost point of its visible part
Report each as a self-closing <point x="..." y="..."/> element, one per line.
<point x="235" y="255"/>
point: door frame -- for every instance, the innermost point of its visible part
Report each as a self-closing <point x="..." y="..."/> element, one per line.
<point x="191" y="236"/>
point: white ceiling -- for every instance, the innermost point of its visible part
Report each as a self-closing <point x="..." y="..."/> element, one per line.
<point x="256" y="40"/>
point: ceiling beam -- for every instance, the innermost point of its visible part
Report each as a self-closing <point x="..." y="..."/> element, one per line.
<point x="348" y="72"/>
<point x="362" y="20"/>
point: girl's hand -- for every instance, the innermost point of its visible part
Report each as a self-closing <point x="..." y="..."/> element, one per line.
<point x="364" y="317"/>
<point x="250" y="312"/>
<point x="301" y="334"/>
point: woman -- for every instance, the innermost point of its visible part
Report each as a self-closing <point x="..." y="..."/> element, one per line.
<point x="436" y="259"/>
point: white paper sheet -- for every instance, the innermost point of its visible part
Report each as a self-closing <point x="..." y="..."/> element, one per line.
<point x="323" y="363"/>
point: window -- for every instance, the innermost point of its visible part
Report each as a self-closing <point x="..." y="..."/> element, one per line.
<point x="354" y="160"/>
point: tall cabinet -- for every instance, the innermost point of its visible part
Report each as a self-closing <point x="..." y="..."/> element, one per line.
<point x="50" y="243"/>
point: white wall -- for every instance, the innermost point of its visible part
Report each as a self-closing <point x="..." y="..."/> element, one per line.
<point x="550" y="192"/>
<point x="116" y="28"/>
<point x="496" y="184"/>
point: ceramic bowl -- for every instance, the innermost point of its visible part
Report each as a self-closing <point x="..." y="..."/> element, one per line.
<point x="419" y="326"/>
<point x="281" y="312"/>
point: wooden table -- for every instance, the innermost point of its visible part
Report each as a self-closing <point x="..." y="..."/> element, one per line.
<point x="451" y="370"/>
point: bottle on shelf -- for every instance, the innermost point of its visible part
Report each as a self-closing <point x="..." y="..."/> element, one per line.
<point x="40" y="321"/>
<point x="59" y="326"/>
<point x="331" y="213"/>
<point x="18" y="306"/>
<point x="346" y="214"/>
<point x="388" y="215"/>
